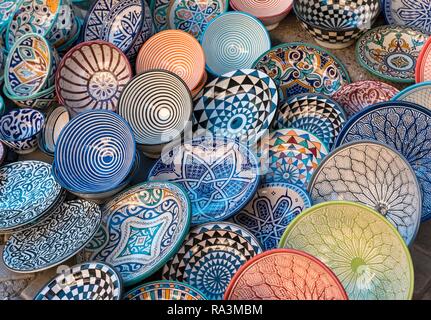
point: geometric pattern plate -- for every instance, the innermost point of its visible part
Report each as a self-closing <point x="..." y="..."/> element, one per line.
<point x="164" y="290"/>
<point x="359" y="245"/>
<point x="209" y="257"/>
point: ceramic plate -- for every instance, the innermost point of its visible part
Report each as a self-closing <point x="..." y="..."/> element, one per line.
<point x="301" y="68"/>
<point x="375" y="175"/>
<point x="219" y="175"/>
<point x="419" y="93"/>
<point x="164" y="290"/>
<point x="240" y="104"/>
<point x="315" y="113"/>
<point x="142" y="228"/>
<point x="87" y="281"/>
<point x="293" y="274"/>
<point x="412" y="13"/>
<point x="423" y="65"/>
<point x="390" y="52"/>
<point x="27" y="193"/>
<point x="210" y="255"/>
<point x="404" y="126"/>
<point x="359" y="245"/>
<point x="272" y="208"/>
<point x="56" y="239"/>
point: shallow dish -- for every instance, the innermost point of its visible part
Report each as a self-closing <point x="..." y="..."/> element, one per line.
<point x="270" y="211"/>
<point x="232" y="41"/>
<point x="19" y="129"/>
<point x="294" y="274"/>
<point x="94" y="152"/>
<point x="219" y="175"/>
<point x="209" y="257"/>
<point x="87" y="281"/>
<point x="175" y="51"/>
<point x="423" y="65"/>
<point x="27" y="193"/>
<point x="354" y="97"/>
<point x="375" y="175"/>
<point x="240" y="105"/>
<point x="418" y="93"/>
<point x="356" y="256"/>
<point x="313" y="112"/>
<point x="92" y="76"/>
<point x="142" y="228"/>
<point x="55" y="121"/>
<point x="301" y="68"/>
<point x="40" y="101"/>
<point x="404" y="126"/>
<point x="57" y="238"/>
<point x="408" y="13"/>
<point x="164" y="290"/>
<point x="390" y="52"/>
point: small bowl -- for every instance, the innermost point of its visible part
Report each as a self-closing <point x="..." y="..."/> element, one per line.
<point x="91" y="76"/>
<point x="175" y="51"/>
<point x="55" y="121"/>
<point x="270" y="12"/>
<point x="412" y="13"/>
<point x="194" y="16"/>
<point x="336" y="24"/>
<point x="391" y="52"/>
<point x="41" y="101"/>
<point x="19" y="129"/>
<point x="234" y="40"/>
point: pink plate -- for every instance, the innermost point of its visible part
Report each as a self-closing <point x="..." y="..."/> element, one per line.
<point x="423" y="64"/>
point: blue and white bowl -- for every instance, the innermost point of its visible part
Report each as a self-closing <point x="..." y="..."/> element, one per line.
<point x="411" y="13"/>
<point x="234" y="40"/>
<point x="19" y="129"/>
<point x="95" y="152"/>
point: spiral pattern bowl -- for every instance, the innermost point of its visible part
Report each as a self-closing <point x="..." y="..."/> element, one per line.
<point x="234" y="40"/>
<point x="175" y="51"/>
<point x="95" y="152"/>
<point x="91" y="76"/>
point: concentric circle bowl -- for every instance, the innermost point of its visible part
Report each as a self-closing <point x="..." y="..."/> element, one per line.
<point x="19" y="129"/>
<point x="336" y="24"/>
<point x="55" y="121"/>
<point x="359" y="245"/>
<point x="95" y="152"/>
<point x="175" y="51"/>
<point x="92" y="76"/>
<point x="270" y="12"/>
<point x="158" y="106"/>
<point x="234" y="40"/>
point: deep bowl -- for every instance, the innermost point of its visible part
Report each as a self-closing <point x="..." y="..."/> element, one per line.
<point x="19" y="129"/>
<point x="41" y="100"/>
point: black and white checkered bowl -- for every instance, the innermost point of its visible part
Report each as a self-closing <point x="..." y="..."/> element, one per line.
<point x="336" y="24"/>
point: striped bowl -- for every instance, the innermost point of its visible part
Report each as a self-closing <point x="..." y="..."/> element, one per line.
<point x="175" y="51"/>
<point x="94" y="152"/>
<point x="91" y="76"/>
<point x="158" y="106"/>
<point x="234" y="40"/>
<point x="55" y="121"/>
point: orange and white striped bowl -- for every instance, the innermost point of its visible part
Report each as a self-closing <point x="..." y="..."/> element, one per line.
<point x="175" y="51"/>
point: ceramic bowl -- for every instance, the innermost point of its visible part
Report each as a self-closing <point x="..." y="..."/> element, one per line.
<point x="55" y="121"/>
<point x="30" y="66"/>
<point x="240" y="105"/>
<point x="41" y="101"/>
<point x="19" y="129"/>
<point x="423" y="65"/>
<point x="354" y="97"/>
<point x="2" y="106"/>
<point x="69" y="229"/>
<point x="336" y="24"/>
<point x="294" y="274"/>
<point x="159" y="10"/>
<point x="194" y="16"/>
<point x="7" y="10"/>
<point x="375" y="175"/>
<point x="92" y="76"/>
<point x="3" y="152"/>
<point x="74" y="37"/>
<point x="142" y="228"/>
<point x="158" y="106"/>
<point x="407" y="13"/>
<point x="28" y="192"/>
<point x="391" y="52"/>
<point x="164" y="290"/>
<point x="95" y="152"/>
<point x="209" y="257"/>
<point x="301" y="68"/>
<point x="73" y="284"/>
<point x="313" y="112"/>
<point x="64" y="27"/>
<point x="3" y="55"/>
<point x="270" y="12"/>
<point x="351" y="252"/>
<point x="101" y="23"/>
<point x="200" y="85"/>
<point x="234" y="40"/>
<point x="175" y="51"/>
<point x="418" y="93"/>
<point x="404" y="126"/>
<point x="220" y="175"/>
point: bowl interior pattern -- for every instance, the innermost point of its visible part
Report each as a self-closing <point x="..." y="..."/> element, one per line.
<point x="20" y="124"/>
<point x="164" y="290"/>
<point x="262" y="8"/>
